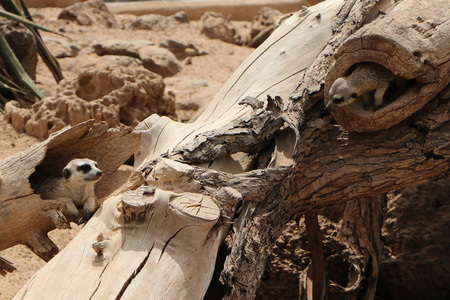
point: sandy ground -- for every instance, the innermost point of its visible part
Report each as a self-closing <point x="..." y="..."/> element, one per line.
<point x="198" y="82"/>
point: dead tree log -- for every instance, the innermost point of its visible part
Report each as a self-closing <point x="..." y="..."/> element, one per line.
<point x="24" y="217"/>
<point x="265" y="150"/>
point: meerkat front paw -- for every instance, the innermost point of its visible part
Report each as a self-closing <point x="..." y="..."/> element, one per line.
<point x="88" y="207"/>
<point x="70" y="207"/>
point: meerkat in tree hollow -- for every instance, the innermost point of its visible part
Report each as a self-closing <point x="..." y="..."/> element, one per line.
<point x="75" y="188"/>
<point x="370" y="81"/>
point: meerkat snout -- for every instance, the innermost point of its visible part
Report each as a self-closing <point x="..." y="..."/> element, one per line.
<point x="341" y="93"/>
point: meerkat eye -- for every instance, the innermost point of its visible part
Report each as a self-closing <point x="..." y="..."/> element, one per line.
<point x="96" y="165"/>
<point x="354" y="95"/>
<point x="84" y="168"/>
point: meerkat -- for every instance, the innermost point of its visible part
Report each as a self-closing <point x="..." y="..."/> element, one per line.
<point x="75" y="188"/>
<point x="369" y="81"/>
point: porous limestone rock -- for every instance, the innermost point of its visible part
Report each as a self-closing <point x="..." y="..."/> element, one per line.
<point x="112" y="94"/>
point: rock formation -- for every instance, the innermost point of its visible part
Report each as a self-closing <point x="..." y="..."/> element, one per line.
<point x="112" y="94"/>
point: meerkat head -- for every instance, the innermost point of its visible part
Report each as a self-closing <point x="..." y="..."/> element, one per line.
<point x="82" y="171"/>
<point x="341" y="93"/>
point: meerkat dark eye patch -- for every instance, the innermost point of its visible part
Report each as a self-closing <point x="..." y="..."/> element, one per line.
<point x="338" y="100"/>
<point x="84" y="168"/>
<point x="354" y="95"/>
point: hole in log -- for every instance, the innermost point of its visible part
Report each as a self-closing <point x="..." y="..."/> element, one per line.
<point x="338" y="269"/>
<point x="51" y="168"/>
<point x="367" y="87"/>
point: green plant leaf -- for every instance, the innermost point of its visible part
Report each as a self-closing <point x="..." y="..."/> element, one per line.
<point x="22" y="20"/>
<point x="44" y="53"/>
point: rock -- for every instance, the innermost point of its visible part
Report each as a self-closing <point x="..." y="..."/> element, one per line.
<point x="265" y="17"/>
<point x="193" y="94"/>
<point x="150" y="22"/>
<point x="120" y="47"/>
<point x="60" y="48"/>
<point x="159" y="22"/>
<point x="113" y="60"/>
<point x="216" y="26"/>
<point x="160" y="61"/>
<point x="181" y="50"/>
<point x="416" y="232"/>
<point x="16" y="116"/>
<point x="242" y="36"/>
<point x="89" y="13"/>
<point x="264" y="23"/>
<point x="181" y="17"/>
<point x="23" y="45"/>
<point x="112" y="94"/>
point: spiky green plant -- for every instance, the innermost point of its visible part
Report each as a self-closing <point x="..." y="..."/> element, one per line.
<point x="14" y="80"/>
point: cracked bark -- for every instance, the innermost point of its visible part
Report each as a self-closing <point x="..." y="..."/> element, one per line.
<point x="253" y="167"/>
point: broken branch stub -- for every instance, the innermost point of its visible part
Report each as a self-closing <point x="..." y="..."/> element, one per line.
<point x="413" y="44"/>
<point x="247" y="134"/>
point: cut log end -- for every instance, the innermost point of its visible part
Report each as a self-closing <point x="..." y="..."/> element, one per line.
<point x="136" y="204"/>
<point x="196" y="206"/>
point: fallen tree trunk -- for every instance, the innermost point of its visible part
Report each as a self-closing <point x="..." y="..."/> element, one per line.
<point x="250" y="163"/>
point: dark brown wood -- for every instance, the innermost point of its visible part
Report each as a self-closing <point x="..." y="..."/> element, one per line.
<point x="317" y="266"/>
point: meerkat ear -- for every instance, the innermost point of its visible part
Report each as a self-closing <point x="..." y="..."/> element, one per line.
<point x="66" y="173"/>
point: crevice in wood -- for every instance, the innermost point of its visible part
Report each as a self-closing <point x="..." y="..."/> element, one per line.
<point x="135" y="273"/>
<point x="168" y="241"/>
<point x="431" y="155"/>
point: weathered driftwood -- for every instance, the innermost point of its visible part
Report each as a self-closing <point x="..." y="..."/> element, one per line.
<point x="250" y="161"/>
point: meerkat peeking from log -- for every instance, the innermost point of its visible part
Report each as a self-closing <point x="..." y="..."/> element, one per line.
<point x="372" y="82"/>
<point x="75" y="188"/>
